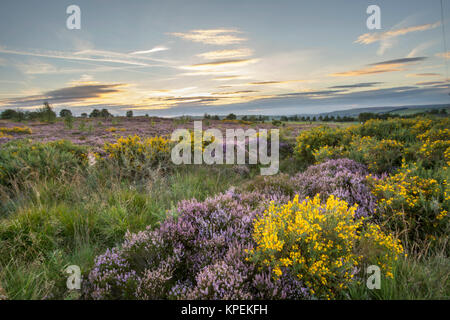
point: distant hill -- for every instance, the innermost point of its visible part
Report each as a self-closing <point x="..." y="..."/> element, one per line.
<point x="402" y="110"/>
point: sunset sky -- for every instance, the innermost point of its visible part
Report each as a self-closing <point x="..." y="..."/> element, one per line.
<point x="170" y="58"/>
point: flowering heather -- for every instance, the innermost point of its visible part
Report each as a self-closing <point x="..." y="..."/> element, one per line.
<point x="343" y="178"/>
<point x="200" y="254"/>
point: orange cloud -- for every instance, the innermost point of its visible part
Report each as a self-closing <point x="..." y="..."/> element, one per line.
<point x="372" y="37"/>
<point x="226" y="54"/>
<point x="211" y="36"/>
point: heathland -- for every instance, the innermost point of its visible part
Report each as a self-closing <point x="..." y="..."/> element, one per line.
<point x="102" y="193"/>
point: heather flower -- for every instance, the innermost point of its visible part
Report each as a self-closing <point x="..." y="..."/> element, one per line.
<point x="197" y="254"/>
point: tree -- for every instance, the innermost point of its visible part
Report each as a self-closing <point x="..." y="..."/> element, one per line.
<point x="84" y="115"/>
<point x="105" y="113"/>
<point x="231" y="116"/>
<point x="129" y="114"/>
<point x="94" y="114"/>
<point x="46" y="113"/>
<point x="65" y="113"/>
<point x="9" y="114"/>
<point x="364" y="116"/>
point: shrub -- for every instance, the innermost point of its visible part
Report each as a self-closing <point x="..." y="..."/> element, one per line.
<point x="343" y="178"/>
<point x="311" y="140"/>
<point x="19" y="130"/>
<point x="380" y="156"/>
<point x="434" y="145"/>
<point x="412" y="204"/>
<point x="198" y="255"/>
<point x="380" y="144"/>
<point x="23" y="160"/>
<point x="319" y="244"/>
<point x="65" y="113"/>
<point x="137" y="153"/>
<point x="45" y="113"/>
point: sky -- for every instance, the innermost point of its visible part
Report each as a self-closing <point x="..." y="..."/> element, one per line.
<point x="190" y="57"/>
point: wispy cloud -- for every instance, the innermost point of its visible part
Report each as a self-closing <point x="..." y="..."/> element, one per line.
<point x="219" y="64"/>
<point x="212" y="36"/>
<point x="234" y="92"/>
<point x="67" y="94"/>
<point x="386" y="38"/>
<point x="91" y="55"/>
<point x="274" y="82"/>
<point x="356" y="85"/>
<point x="430" y="83"/>
<point x="399" y="61"/>
<point x="445" y="55"/>
<point x="226" y="78"/>
<point x="425" y="74"/>
<point x="379" y="67"/>
<point x="226" y="54"/>
<point x="155" y="49"/>
<point x="420" y="48"/>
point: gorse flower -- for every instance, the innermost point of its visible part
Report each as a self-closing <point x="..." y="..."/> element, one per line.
<point x="19" y="130"/>
<point x="135" y="151"/>
<point x="318" y="243"/>
<point x="410" y="204"/>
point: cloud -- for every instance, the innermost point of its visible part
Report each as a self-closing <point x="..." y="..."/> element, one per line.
<point x="212" y="36"/>
<point x="430" y="83"/>
<point x="379" y="67"/>
<point x="225" y="78"/>
<point x="67" y="94"/>
<point x="421" y="47"/>
<point x="356" y="85"/>
<point x="398" y="61"/>
<point x="155" y="49"/>
<point x="445" y="55"/>
<point x="312" y="93"/>
<point x="91" y="55"/>
<point x="83" y="91"/>
<point x="234" y="92"/>
<point x="226" y="54"/>
<point x="387" y="38"/>
<point x="426" y="74"/>
<point x="259" y="83"/>
<point x="219" y="64"/>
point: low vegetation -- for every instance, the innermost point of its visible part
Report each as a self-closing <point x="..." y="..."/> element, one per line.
<point x="140" y="227"/>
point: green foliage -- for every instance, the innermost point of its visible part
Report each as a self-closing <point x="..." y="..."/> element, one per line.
<point x="23" y="161"/>
<point x="65" y="113"/>
<point x="380" y="144"/>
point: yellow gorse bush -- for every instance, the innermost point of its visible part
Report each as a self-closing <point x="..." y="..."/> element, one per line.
<point x="435" y="145"/>
<point x="412" y="205"/>
<point x="136" y="149"/>
<point x="379" y="144"/>
<point x="114" y="129"/>
<point x="20" y="130"/>
<point x="4" y="135"/>
<point x="319" y="243"/>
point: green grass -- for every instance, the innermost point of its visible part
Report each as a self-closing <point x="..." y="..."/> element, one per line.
<point x="50" y="220"/>
<point x="414" y="279"/>
<point x="62" y="222"/>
